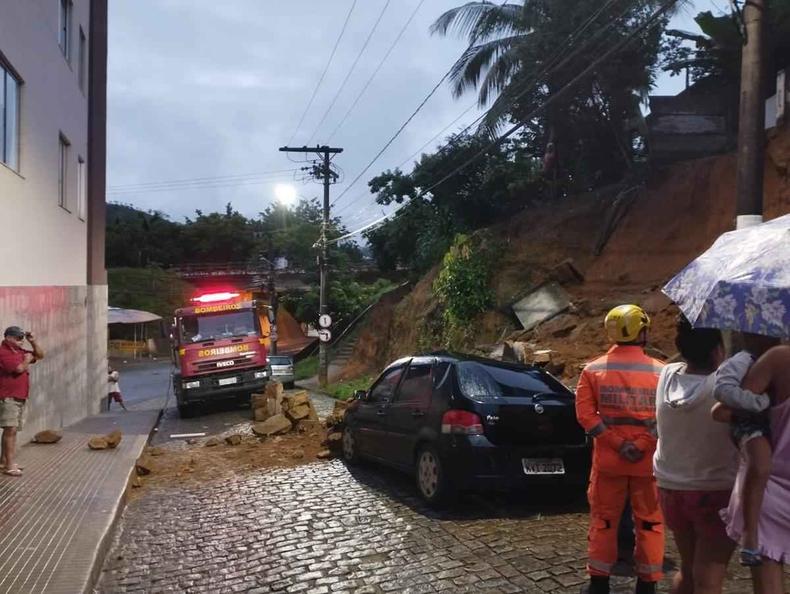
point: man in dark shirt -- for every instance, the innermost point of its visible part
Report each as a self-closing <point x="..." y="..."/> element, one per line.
<point x="14" y="390"/>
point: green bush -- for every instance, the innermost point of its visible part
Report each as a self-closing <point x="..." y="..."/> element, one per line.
<point x="463" y="285"/>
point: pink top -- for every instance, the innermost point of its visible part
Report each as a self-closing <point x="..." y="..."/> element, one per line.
<point x="774" y="527"/>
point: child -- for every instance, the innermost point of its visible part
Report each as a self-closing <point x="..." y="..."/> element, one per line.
<point x="114" y="388"/>
<point x="750" y="429"/>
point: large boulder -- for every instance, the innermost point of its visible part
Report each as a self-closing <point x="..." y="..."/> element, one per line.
<point x="275" y="425"/>
<point x="113" y="439"/>
<point x="98" y="443"/>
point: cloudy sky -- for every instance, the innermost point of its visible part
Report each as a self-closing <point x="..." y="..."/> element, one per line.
<point x="202" y="94"/>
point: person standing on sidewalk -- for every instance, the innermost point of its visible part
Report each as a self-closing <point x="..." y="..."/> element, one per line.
<point x="15" y="361"/>
<point x="615" y="403"/>
<point x="114" y="388"/>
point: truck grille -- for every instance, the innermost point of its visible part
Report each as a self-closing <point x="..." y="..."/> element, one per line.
<point x="238" y="362"/>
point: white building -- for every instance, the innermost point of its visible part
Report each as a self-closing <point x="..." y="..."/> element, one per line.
<point x="53" y="74"/>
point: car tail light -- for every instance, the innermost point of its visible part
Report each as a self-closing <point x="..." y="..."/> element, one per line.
<point x="462" y="422"/>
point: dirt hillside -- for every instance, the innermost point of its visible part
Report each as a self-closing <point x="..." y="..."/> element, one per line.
<point x="627" y="242"/>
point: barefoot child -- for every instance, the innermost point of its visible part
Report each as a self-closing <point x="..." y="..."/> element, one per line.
<point x="750" y="429"/>
<point x="114" y="388"/>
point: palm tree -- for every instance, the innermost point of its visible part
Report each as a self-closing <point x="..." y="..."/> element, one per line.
<point x="522" y="54"/>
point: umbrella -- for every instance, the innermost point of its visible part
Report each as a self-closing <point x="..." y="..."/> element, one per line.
<point x="741" y="283"/>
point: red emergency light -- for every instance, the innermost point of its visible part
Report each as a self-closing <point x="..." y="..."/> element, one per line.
<point x="214" y="297"/>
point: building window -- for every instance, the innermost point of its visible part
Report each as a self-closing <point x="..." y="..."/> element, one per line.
<point x="83" y="60"/>
<point x="64" y="28"/>
<point x="63" y="173"/>
<point x="82" y="189"/>
<point x="9" y="119"/>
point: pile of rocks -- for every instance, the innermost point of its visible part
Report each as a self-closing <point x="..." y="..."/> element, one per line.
<point x="334" y="424"/>
<point x="109" y="441"/>
<point x="279" y="411"/>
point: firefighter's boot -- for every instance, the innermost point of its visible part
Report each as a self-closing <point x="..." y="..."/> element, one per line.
<point x="599" y="584"/>
<point x="643" y="587"/>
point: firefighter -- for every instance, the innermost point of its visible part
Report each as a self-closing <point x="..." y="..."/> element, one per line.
<point x="615" y="403"/>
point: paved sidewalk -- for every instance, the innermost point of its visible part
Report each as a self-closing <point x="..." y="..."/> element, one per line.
<point x="56" y="520"/>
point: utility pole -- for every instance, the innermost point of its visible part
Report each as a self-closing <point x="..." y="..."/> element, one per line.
<point x="751" y="125"/>
<point x="322" y="171"/>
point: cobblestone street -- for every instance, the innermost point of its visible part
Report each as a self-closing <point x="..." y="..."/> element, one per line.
<point x="323" y="528"/>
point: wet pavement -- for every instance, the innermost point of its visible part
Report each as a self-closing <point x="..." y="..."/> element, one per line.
<point x="322" y="528"/>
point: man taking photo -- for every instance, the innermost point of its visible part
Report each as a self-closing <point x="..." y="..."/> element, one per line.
<point x="15" y="361"/>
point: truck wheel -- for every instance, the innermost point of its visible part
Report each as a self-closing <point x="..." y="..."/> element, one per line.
<point x="430" y="477"/>
<point x="186" y="411"/>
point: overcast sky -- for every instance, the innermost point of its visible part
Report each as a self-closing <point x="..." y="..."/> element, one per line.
<point x="200" y="90"/>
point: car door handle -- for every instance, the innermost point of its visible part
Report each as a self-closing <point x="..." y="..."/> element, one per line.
<point x="417" y="413"/>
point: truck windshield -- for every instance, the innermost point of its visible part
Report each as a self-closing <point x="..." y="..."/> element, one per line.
<point x="219" y="325"/>
<point x="481" y="381"/>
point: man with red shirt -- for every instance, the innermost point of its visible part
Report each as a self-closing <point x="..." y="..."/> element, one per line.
<point x="14" y="390"/>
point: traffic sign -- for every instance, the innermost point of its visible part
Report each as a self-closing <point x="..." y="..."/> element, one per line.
<point x="325" y="320"/>
<point x="324" y="335"/>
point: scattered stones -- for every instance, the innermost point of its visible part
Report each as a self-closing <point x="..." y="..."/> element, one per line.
<point x="142" y="469"/>
<point x="297" y="454"/>
<point x="113" y="439"/>
<point x="299" y="412"/>
<point x="275" y="425"/>
<point x="136" y="482"/>
<point x="324" y="455"/>
<point x="212" y="442"/>
<point x="233" y="440"/>
<point x="47" y="436"/>
<point x="98" y="443"/>
<point x="156" y="451"/>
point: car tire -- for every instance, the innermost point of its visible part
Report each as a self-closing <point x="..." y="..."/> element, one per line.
<point x="430" y="476"/>
<point x="350" y="449"/>
<point x="186" y="411"/>
<point x="288" y="386"/>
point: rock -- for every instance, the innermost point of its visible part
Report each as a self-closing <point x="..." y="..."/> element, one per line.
<point x="233" y="440"/>
<point x="136" y="482"/>
<point x="272" y="426"/>
<point x="297" y="413"/>
<point x="156" y="451"/>
<point x="98" y="443"/>
<point x="324" y="455"/>
<point x="212" y="442"/>
<point x="142" y="469"/>
<point x="297" y="454"/>
<point x="257" y="400"/>
<point x="274" y="390"/>
<point x="334" y="441"/>
<point x="113" y="438"/>
<point x="293" y="398"/>
<point x="192" y="441"/>
<point x="47" y="436"/>
<point x="261" y="414"/>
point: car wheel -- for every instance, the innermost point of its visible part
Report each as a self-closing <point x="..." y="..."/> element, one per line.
<point x="186" y="411"/>
<point x="350" y="451"/>
<point x="431" y="480"/>
<point x="289" y="386"/>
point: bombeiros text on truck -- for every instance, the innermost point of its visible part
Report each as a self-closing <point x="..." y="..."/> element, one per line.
<point x="219" y="349"/>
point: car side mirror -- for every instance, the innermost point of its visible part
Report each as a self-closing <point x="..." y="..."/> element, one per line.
<point x="361" y="395"/>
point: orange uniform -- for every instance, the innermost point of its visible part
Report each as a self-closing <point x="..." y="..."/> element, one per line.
<point x="615" y="403"/>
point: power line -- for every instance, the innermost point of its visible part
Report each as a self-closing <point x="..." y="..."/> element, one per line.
<point x="377" y="69"/>
<point x="191" y="180"/>
<point x="552" y="63"/>
<point x="652" y="20"/>
<point x="350" y="71"/>
<point x="197" y="186"/>
<point x="323" y="74"/>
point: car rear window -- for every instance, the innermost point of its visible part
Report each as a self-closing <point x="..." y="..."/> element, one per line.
<point x="279" y="360"/>
<point x="478" y="380"/>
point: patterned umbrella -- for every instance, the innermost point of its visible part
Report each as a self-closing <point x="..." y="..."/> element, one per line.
<point x="741" y="283"/>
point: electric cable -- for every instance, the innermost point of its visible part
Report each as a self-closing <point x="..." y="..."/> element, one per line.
<point x="323" y="74"/>
<point x="350" y="71"/>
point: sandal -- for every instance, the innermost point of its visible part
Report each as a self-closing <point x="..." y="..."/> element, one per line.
<point x="19" y="466"/>
<point x="751" y="558"/>
<point x="13" y="472"/>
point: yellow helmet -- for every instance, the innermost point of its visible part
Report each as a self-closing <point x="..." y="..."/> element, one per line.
<point x="625" y="322"/>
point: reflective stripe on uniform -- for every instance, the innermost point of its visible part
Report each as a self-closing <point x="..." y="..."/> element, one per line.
<point x="629" y="421"/>
<point x="600" y="565"/>
<point x="645" y="569"/>
<point x="621" y="366"/>
<point x="597" y="430"/>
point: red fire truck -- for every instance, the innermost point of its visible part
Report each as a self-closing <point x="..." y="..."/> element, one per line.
<point x="219" y="350"/>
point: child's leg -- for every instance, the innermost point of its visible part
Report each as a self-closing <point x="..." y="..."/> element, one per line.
<point x="758" y="469"/>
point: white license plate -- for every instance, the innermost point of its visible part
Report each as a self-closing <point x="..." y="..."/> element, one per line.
<point x="227" y="381"/>
<point x="543" y="465"/>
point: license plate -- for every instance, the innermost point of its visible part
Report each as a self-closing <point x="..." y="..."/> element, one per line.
<point x="543" y="465"/>
<point x="227" y="381"/>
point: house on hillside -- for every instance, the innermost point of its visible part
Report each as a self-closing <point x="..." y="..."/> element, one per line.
<point x="53" y="75"/>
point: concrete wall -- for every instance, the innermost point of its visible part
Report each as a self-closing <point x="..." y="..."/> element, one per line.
<point x="50" y="245"/>
<point x="70" y="324"/>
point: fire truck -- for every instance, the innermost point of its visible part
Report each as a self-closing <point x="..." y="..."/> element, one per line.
<point x="219" y="349"/>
